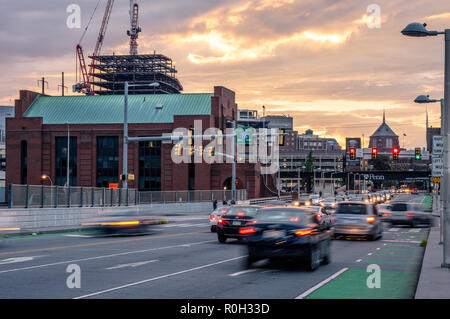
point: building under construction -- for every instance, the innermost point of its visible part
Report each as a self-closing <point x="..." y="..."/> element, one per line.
<point x="112" y="71"/>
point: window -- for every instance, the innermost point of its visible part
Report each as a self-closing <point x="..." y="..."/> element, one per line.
<point x="61" y="161"/>
<point x="150" y="166"/>
<point x="107" y="160"/>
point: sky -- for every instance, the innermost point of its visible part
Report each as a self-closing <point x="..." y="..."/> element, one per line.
<point x="334" y="66"/>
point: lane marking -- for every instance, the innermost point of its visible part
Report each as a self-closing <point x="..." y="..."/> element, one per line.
<point x="320" y="284"/>
<point x="358" y="260"/>
<point x="157" y="278"/>
<point x="101" y="243"/>
<point x="81" y="236"/>
<point x="105" y="256"/>
<point x="402" y="241"/>
<point x="393" y="229"/>
<point x="243" y="272"/>
<point x="136" y="264"/>
<point x="369" y="254"/>
<point x="415" y="230"/>
<point x="17" y="260"/>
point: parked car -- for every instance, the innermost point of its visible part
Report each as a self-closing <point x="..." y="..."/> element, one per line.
<point x="404" y="213"/>
<point x="358" y="219"/>
<point x="288" y="233"/>
<point x="230" y="224"/>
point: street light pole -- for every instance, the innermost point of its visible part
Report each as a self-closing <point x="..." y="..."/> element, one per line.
<point x="233" y="173"/>
<point x="68" y="156"/>
<point x="125" y="138"/>
<point x="418" y="30"/>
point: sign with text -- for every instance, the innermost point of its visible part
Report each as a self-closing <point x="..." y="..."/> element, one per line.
<point x="438" y="144"/>
<point x="437" y="167"/>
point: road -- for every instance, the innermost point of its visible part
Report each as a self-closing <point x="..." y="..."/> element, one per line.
<point x="184" y="260"/>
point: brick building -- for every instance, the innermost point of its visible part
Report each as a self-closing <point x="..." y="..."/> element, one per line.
<point x="37" y="141"/>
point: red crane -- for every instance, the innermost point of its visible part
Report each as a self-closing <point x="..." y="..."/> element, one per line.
<point x="88" y="78"/>
<point x="133" y="33"/>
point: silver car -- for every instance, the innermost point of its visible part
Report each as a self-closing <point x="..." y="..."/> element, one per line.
<point x="403" y="213"/>
<point x="357" y="219"/>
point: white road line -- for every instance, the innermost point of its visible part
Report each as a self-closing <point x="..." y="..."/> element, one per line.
<point x="415" y="230"/>
<point x="105" y="256"/>
<point x="136" y="264"/>
<point x="369" y="254"/>
<point x="402" y="241"/>
<point x="320" y="284"/>
<point x="393" y="229"/>
<point x="157" y="278"/>
<point x="358" y="260"/>
<point x="81" y="236"/>
<point x="243" y="272"/>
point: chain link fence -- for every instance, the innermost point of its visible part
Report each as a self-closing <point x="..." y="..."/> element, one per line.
<point x="39" y="196"/>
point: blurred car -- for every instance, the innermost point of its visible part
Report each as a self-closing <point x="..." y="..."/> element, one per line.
<point x="358" y="219"/>
<point x="230" y="224"/>
<point x="275" y="203"/>
<point x="288" y="233"/>
<point x="329" y="203"/>
<point x="303" y="200"/>
<point x="128" y="222"/>
<point x="404" y="213"/>
<point x="340" y="198"/>
<point x="7" y="226"/>
<point x="315" y="200"/>
<point x="214" y="216"/>
<point x="415" y="191"/>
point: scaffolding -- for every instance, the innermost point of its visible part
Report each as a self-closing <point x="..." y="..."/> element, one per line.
<point x="112" y="71"/>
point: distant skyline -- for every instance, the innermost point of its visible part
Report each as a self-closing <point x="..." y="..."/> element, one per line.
<point x="316" y="60"/>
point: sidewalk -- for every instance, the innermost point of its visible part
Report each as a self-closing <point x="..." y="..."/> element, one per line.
<point x="434" y="281"/>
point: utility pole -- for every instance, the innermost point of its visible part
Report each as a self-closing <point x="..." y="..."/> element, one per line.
<point x="62" y="85"/>
<point x="43" y="85"/>
<point x="68" y="156"/>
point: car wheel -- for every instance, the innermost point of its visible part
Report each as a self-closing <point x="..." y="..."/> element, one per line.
<point x="313" y="259"/>
<point x="249" y="261"/>
<point x="213" y="229"/>
<point x="221" y="238"/>
<point x="326" y="254"/>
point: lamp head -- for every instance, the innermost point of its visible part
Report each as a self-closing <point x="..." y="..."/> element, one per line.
<point x="416" y="29"/>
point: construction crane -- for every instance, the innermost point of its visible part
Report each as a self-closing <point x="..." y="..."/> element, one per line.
<point x="88" y="78"/>
<point x="133" y="33"/>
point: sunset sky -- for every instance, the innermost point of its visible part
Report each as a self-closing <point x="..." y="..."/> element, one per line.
<point x="315" y="60"/>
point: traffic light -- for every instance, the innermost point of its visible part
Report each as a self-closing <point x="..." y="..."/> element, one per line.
<point x="374" y="153"/>
<point x="418" y="154"/>
<point x="395" y="152"/>
<point x="352" y="151"/>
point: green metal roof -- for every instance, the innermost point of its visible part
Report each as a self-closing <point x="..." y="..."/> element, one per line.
<point x="108" y="109"/>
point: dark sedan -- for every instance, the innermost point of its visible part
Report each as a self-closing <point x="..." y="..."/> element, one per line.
<point x="236" y="219"/>
<point x="289" y="233"/>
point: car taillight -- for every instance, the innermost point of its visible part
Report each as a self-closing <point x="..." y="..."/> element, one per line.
<point x="246" y="231"/>
<point x="370" y="219"/>
<point x="240" y="214"/>
<point x="293" y="219"/>
<point x="303" y="232"/>
<point x="387" y="214"/>
<point x="220" y="221"/>
<point x="211" y="217"/>
<point x="410" y="214"/>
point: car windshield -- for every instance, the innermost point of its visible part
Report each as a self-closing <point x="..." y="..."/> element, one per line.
<point x="329" y="200"/>
<point x="281" y="215"/>
<point x="303" y="198"/>
<point x="354" y="209"/>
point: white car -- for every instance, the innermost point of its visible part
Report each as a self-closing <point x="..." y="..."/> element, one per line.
<point x="214" y="216"/>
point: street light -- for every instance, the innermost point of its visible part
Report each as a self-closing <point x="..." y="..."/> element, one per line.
<point x="125" y="130"/>
<point x="419" y="30"/>
<point x="422" y="99"/>
<point x="44" y="177"/>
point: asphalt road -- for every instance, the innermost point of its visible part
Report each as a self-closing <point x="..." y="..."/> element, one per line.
<point x="184" y="260"/>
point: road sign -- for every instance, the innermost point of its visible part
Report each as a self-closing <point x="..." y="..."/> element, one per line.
<point x="359" y="153"/>
<point x="244" y="135"/>
<point x="437" y="169"/>
<point x="435" y="180"/>
<point x="438" y="144"/>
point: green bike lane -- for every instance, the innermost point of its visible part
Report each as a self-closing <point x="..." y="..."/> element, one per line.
<point x="399" y="260"/>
